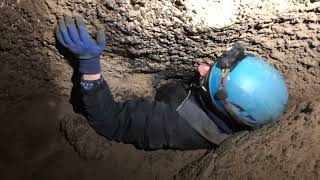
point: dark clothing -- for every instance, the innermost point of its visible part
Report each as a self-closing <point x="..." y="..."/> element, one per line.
<point x="192" y="112"/>
<point x="148" y="125"/>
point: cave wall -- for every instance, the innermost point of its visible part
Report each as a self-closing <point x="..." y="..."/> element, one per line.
<point x="160" y="37"/>
<point x="168" y="38"/>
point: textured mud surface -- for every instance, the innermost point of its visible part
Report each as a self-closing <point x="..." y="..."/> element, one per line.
<point x="285" y="150"/>
<point x="149" y="42"/>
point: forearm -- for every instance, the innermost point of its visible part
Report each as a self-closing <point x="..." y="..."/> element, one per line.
<point x="122" y="122"/>
<point x="98" y="104"/>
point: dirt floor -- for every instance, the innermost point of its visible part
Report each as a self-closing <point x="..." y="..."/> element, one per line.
<point x="149" y="43"/>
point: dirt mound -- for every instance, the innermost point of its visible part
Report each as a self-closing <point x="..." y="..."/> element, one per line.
<point x="149" y="42"/>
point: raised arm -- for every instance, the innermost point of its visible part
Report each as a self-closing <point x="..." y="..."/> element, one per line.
<point x="148" y="125"/>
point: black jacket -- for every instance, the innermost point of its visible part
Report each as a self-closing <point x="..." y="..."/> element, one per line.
<point x="148" y="125"/>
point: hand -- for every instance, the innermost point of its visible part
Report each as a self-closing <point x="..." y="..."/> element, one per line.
<point x="72" y="34"/>
<point x="203" y="69"/>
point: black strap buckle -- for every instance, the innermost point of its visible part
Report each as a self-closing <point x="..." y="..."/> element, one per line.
<point x="231" y="57"/>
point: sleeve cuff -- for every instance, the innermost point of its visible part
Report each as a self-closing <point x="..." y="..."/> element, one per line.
<point x="89" y="85"/>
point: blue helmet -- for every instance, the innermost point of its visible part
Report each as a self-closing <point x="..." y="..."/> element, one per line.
<point x="254" y="91"/>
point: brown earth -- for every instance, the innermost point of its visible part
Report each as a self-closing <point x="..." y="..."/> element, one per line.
<point x="148" y="43"/>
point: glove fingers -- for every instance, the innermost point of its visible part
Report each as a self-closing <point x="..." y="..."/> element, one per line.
<point x="101" y="38"/>
<point x="59" y="37"/>
<point x="64" y="32"/>
<point x="72" y="29"/>
<point x="85" y="37"/>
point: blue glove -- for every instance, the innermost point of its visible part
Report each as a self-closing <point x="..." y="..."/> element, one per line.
<point x="72" y="34"/>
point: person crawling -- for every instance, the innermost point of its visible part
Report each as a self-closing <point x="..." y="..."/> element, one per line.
<point x="239" y="92"/>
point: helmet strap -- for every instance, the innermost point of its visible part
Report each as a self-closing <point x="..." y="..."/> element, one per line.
<point x="226" y="63"/>
<point x="222" y="96"/>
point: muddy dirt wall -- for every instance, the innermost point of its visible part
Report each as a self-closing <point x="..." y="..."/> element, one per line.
<point x="151" y="41"/>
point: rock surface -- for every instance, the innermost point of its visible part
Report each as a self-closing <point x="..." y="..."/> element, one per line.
<point x="285" y="150"/>
<point x="149" y="42"/>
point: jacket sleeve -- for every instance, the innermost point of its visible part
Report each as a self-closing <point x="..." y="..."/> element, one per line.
<point x="148" y="125"/>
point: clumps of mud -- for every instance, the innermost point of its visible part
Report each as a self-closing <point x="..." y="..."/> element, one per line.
<point x="167" y="39"/>
<point x="83" y="138"/>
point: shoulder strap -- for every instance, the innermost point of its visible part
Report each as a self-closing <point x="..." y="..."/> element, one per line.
<point x="199" y="120"/>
